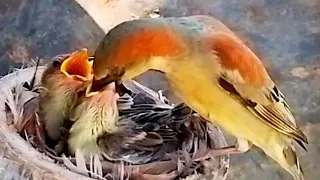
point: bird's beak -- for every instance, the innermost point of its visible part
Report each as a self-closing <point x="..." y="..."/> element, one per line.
<point x="96" y="85"/>
<point x="111" y="88"/>
<point x="78" y="66"/>
<point x="89" y="91"/>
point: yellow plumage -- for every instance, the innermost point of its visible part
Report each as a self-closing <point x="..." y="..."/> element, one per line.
<point x="213" y="72"/>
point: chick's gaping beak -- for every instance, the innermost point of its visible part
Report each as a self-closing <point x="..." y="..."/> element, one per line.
<point x="78" y="66"/>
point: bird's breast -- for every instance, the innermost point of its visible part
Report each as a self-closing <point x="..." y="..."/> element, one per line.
<point x="198" y="87"/>
<point x="90" y="123"/>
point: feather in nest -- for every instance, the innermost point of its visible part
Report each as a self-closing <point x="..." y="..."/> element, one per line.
<point x="21" y="106"/>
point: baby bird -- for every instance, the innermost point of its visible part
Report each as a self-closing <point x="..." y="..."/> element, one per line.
<point x="131" y="128"/>
<point x="64" y="78"/>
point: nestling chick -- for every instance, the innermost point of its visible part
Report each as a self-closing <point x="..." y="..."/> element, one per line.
<point x="215" y="74"/>
<point x="131" y="128"/>
<point x="64" y="78"/>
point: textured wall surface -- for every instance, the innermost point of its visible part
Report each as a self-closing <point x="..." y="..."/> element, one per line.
<point x="43" y="28"/>
<point x="285" y="34"/>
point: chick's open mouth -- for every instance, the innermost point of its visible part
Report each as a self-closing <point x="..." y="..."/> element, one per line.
<point x="78" y="65"/>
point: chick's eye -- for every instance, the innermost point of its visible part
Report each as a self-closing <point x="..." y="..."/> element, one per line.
<point x="56" y="63"/>
<point x="57" y="60"/>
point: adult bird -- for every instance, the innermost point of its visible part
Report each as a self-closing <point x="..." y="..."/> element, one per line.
<point x="213" y="72"/>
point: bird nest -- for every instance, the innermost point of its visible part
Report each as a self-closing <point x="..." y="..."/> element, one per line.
<point x="26" y="154"/>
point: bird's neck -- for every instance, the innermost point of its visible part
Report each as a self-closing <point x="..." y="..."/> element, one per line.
<point x="157" y="63"/>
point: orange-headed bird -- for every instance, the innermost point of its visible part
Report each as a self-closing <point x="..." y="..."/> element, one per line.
<point x="213" y="72"/>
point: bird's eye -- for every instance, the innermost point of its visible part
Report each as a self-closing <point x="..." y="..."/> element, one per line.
<point x="56" y="63"/>
<point x="57" y="60"/>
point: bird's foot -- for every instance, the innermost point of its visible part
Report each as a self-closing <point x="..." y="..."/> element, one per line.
<point x="241" y="147"/>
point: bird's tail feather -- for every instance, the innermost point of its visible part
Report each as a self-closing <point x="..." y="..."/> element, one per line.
<point x="294" y="166"/>
<point x="287" y="159"/>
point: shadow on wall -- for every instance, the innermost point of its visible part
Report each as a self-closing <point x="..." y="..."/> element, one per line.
<point x="43" y="28"/>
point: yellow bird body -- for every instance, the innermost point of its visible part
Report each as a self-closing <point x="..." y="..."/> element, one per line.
<point x="213" y="72"/>
<point x="195" y="88"/>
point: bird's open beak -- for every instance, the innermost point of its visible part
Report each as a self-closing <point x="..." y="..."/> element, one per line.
<point x="78" y="66"/>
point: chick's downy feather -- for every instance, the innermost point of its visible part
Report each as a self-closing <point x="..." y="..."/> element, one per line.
<point x="61" y="81"/>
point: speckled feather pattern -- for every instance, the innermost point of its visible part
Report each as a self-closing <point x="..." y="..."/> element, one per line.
<point x="140" y="132"/>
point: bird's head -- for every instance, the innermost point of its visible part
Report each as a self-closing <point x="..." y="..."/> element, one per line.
<point x="134" y="47"/>
<point x="68" y="70"/>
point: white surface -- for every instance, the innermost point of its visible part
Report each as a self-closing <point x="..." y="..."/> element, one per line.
<point x="109" y="13"/>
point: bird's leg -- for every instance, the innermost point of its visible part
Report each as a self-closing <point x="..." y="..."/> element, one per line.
<point x="161" y="98"/>
<point x="241" y="147"/>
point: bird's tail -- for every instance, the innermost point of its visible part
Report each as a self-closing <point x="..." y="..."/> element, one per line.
<point x="288" y="159"/>
<point x="294" y="167"/>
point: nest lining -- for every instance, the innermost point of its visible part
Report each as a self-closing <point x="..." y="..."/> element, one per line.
<point x="34" y="164"/>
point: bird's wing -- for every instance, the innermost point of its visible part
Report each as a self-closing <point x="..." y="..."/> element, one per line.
<point x="157" y="127"/>
<point x="243" y="75"/>
<point x="150" y="95"/>
<point x="146" y="112"/>
<point x="130" y="145"/>
<point x="148" y="127"/>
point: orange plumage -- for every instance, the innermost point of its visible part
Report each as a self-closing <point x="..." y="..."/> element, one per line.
<point x="234" y="55"/>
<point x="214" y="72"/>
